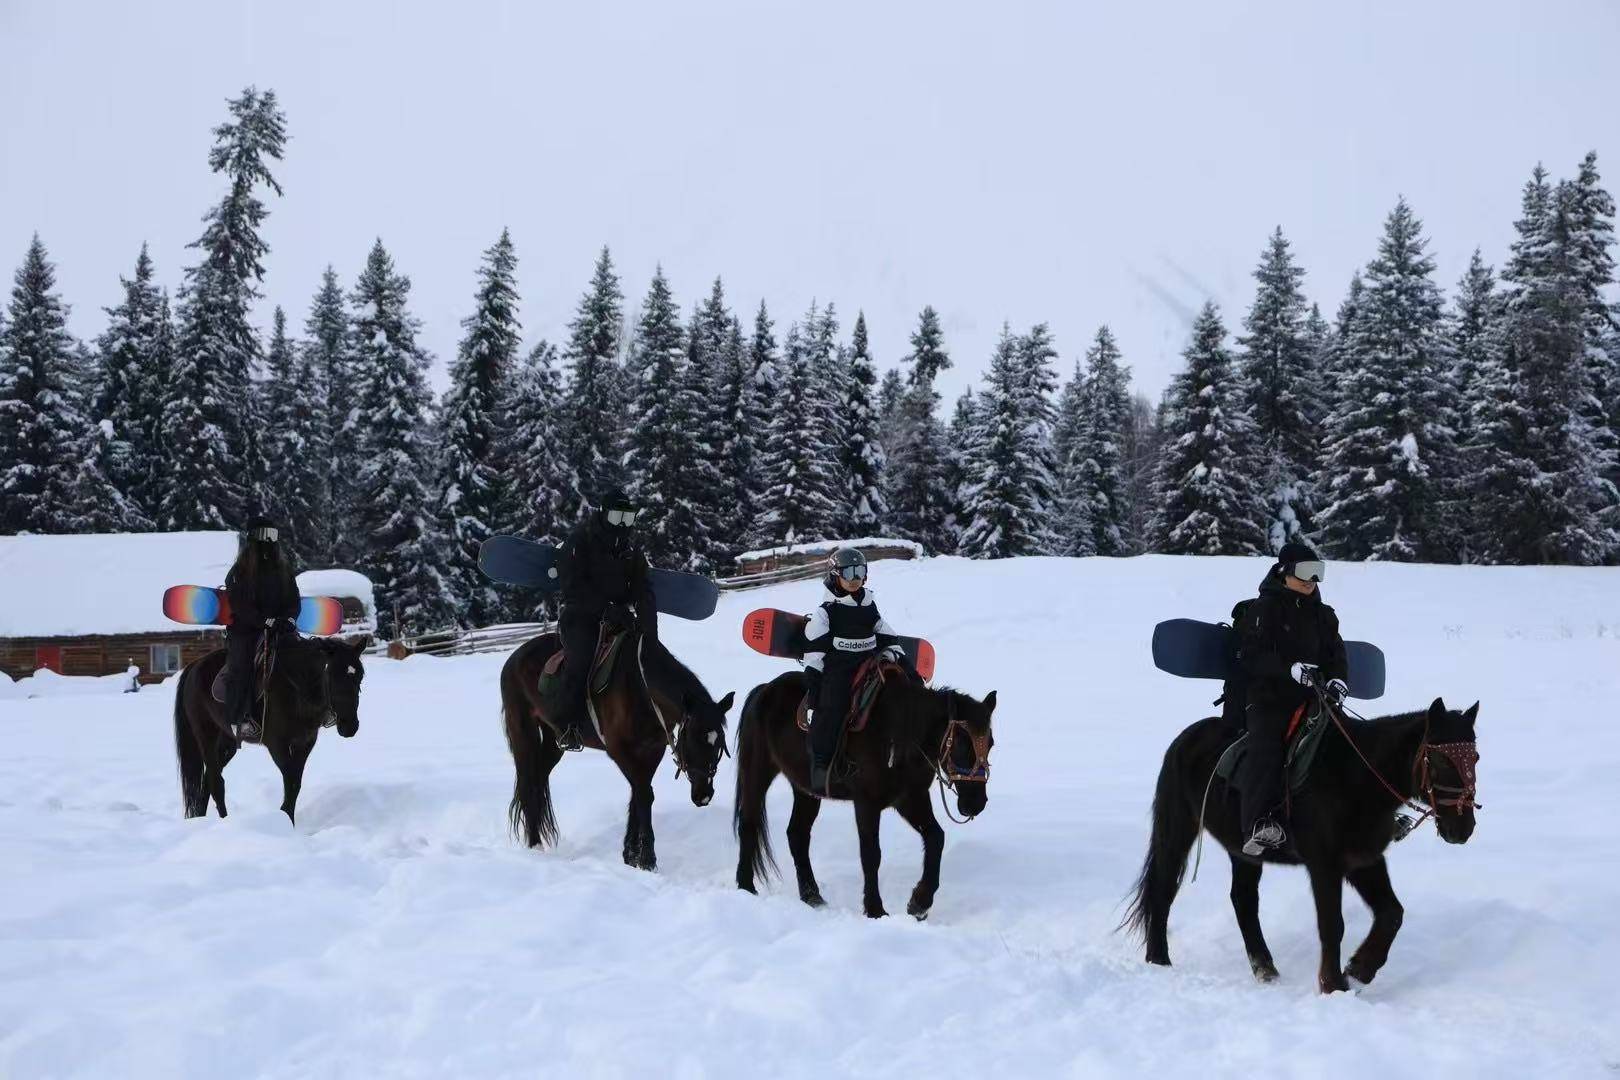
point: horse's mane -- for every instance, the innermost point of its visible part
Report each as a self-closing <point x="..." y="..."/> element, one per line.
<point x="669" y="664"/>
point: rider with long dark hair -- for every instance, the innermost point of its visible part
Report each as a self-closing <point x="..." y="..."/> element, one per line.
<point x="263" y="593"/>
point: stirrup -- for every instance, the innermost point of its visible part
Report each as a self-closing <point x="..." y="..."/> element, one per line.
<point x="1267" y="835"/>
<point x="568" y="739"/>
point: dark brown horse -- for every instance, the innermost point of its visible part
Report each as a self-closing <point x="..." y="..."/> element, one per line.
<point x="652" y="703"/>
<point x="914" y="737"/>
<point x="1340" y="823"/>
<point x="314" y="683"/>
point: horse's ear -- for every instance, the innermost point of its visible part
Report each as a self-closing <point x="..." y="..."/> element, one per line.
<point x="724" y="704"/>
<point x="990" y="702"/>
<point x="1473" y="711"/>
<point x="1437" y="711"/>
<point x="361" y="644"/>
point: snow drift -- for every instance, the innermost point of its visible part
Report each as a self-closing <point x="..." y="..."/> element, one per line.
<point x="398" y="931"/>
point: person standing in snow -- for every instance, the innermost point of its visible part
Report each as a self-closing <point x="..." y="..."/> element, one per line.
<point x="1288" y="641"/>
<point x="604" y="578"/>
<point x="263" y="595"/>
<point x="842" y="633"/>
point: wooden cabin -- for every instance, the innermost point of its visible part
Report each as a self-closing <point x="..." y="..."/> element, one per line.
<point x="93" y="604"/>
<point x="778" y="558"/>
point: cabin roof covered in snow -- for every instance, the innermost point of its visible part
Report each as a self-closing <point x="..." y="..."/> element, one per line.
<point x="827" y="547"/>
<point x="112" y="583"/>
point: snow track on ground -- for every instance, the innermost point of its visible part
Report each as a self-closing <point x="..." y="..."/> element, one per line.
<point x="398" y="931"/>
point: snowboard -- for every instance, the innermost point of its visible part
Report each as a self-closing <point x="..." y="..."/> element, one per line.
<point x="512" y="560"/>
<point x="198" y="605"/>
<point x="781" y="633"/>
<point x="1200" y="650"/>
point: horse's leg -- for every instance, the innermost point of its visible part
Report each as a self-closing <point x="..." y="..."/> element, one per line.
<point x="802" y="820"/>
<point x="1246" y="904"/>
<point x="1327" y="885"/>
<point x="1373" y="885"/>
<point x="290" y="759"/>
<point x="216" y="753"/>
<point x="867" y="817"/>
<point x="918" y="811"/>
<point x="638" y="832"/>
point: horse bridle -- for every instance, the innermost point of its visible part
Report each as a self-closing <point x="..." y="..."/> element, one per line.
<point x="1463" y="756"/>
<point x="946" y="766"/>
<point x="672" y="732"/>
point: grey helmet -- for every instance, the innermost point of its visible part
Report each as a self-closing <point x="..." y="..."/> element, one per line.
<point x="849" y="563"/>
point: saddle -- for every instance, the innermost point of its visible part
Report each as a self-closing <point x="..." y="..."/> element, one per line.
<point x="262" y="663"/>
<point x="867" y="681"/>
<point x="607" y="654"/>
<point x="1303" y="738"/>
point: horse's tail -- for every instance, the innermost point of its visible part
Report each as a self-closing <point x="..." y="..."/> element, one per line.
<point x="755" y="771"/>
<point x="530" y="812"/>
<point x="1175" y="827"/>
<point x="187" y="752"/>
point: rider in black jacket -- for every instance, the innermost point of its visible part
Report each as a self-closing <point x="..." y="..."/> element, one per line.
<point x="604" y="578"/>
<point x="842" y="633"/>
<point x="1288" y="640"/>
<point x="263" y="593"/>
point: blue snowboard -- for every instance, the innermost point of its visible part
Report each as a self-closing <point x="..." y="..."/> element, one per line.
<point x="512" y="560"/>
<point x="1200" y="650"/>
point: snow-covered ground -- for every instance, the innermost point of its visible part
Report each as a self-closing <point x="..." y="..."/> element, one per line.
<point x="398" y="932"/>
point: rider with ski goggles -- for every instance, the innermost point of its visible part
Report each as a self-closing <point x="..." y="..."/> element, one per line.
<point x="1288" y="642"/>
<point x="603" y="575"/>
<point x="842" y="633"/>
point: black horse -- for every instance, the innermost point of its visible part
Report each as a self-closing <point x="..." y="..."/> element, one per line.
<point x="313" y="683"/>
<point x="914" y="736"/>
<point x="1340" y="824"/>
<point x="652" y="703"/>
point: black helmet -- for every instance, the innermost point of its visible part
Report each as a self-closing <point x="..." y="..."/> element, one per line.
<point x="1300" y="561"/>
<point x="849" y="563"/>
<point x="618" y="510"/>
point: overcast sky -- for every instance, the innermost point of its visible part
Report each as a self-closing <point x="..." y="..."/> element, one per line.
<point x="1078" y="164"/>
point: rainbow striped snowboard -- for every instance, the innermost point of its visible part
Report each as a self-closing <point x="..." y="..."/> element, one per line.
<point x="198" y="605"/>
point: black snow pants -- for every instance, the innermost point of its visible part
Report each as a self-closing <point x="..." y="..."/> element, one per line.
<point x="241" y="647"/>
<point x="829" y="692"/>
<point x="1261" y="776"/>
<point x="580" y="630"/>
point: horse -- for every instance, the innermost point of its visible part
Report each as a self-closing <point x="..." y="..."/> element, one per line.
<point x="914" y="736"/>
<point x="652" y="703"/>
<point x="313" y="683"/>
<point x="1341" y="822"/>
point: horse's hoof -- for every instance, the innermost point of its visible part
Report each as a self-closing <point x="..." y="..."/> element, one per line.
<point x="1335" y="983"/>
<point x="1161" y="960"/>
<point x="918" y="908"/>
<point x="1359" y="971"/>
<point x="748" y="887"/>
<point x="813" y="898"/>
<point x="1264" y="970"/>
<point x="876" y="912"/>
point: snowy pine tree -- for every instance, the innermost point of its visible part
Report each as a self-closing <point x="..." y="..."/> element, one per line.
<point x="44" y="437"/>
<point x="1143" y="442"/>
<point x="665" y="465"/>
<point x="329" y="356"/>
<point x="1207" y="502"/>
<point x="1388" y="454"/>
<point x="1096" y="493"/>
<point x="1537" y="478"/>
<point x="961" y="456"/>
<point x="1281" y="394"/>
<point x="746" y="472"/>
<point x="862" y="507"/>
<point x="1009" y="496"/>
<point x="1072" y="522"/>
<point x="296" y="457"/>
<point x="714" y="364"/>
<point x="531" y="459"/>
<point x="741" y="414"/>
<point x="471" y="500"/>
<point x="595" y="410"/>
<point x="400" y="548"/>
<point x="921" y="497"/>
<point x="798" y="503"/>
<point x="212" y="455"/>
<point x="130" y="389"/>
<point x="891" y="389"/>
<point x="1590" y="217"/>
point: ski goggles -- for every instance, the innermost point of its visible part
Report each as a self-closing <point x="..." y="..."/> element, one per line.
<point x="853" y="573"/>
<point x="622" y="518"/>
<point x="1309" y="570"/>
<point x="263" y="533"/>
